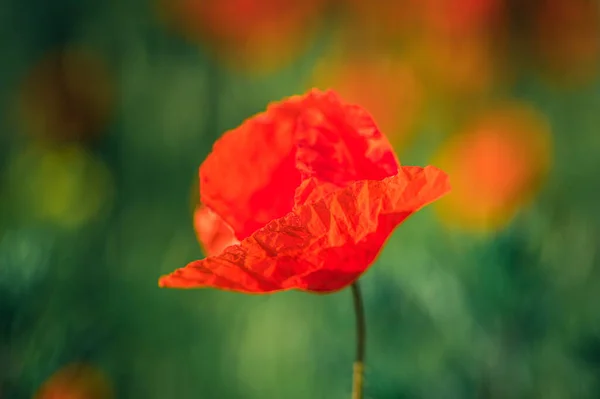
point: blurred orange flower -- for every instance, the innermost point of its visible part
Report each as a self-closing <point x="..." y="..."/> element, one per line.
<point x="312" y="189"/>
<point x="459" y="67"/>
<point x="66" y="96"/>
<point x="385" y="20"/>
<point x="76" y="381"/>
<point x="254" y="35"/>
<point x="382" y="20"/>
<point x="460" y="17"/>
<point x="497" y="164"/>
<point x="567" y="37"/>
<point x="388" y="88"/>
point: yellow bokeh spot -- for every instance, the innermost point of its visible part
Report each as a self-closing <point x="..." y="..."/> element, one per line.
<point x="76" y="381"/>
<point x="64" y="185"/>
<point x="496" y="165"/>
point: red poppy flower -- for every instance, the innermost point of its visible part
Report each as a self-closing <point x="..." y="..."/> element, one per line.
<point x="312" y="190"/>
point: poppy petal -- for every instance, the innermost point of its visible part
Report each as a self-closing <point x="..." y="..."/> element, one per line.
<point x="340" y="143"/>
<point x="252" y="175"/>
<point x="212" y="231"/>
<point x="321" y="246"/>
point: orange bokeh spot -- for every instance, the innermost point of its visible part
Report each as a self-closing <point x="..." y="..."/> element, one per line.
<point x="460" y="17"/>
<point x="567" y="37"/>
<point x="386" y="19"/>
<point x="461" y="47"/>
<point x="458" y="66"/>
<point x="66" y="96"/>
<point x="387" y="88"/>
<point x="76" y="381"/>
<point x="253" y="35"/>
<point x="382" y="19"/>
<point x="496" y="166"/>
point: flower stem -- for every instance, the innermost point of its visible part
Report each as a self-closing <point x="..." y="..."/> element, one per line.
<point x="361" y="332"/>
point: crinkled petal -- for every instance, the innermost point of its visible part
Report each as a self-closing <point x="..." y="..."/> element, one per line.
<point x="212" y="231"/>
<point x="257" y="172"/>
<point x="340" y="143"/>
<point x="321" y="246"/>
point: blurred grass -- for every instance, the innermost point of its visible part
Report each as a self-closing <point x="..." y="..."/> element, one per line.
<point x="451" y="313"/>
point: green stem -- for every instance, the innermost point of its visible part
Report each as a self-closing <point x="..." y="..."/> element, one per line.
<point x="361" y="332"/>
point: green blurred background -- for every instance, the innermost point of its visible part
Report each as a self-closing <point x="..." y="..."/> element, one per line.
<point x="108" y="108"/>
